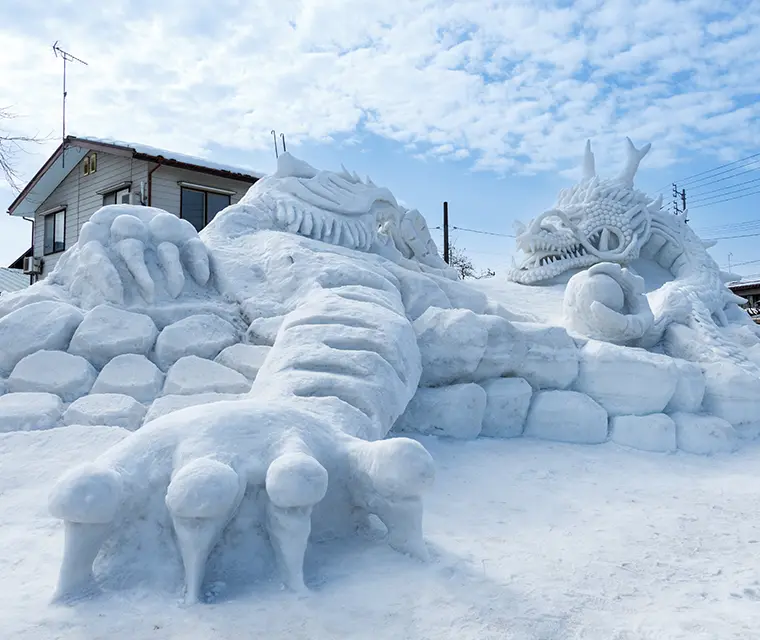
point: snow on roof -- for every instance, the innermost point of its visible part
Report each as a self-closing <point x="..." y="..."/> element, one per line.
<point x="52" y="173"/>
<point x="148" y="150"/>
<point x="12" y="280"/>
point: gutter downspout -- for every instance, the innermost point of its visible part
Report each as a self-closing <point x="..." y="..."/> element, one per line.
<point x="32" y="277"/>
<point x="159" y="161"/>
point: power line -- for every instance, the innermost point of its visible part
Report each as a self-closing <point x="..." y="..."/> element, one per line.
<point x="736" y="175"/>
<point x="708" y="204"/>
<point x="729" y="190"/>
<point x="689" y="179"/>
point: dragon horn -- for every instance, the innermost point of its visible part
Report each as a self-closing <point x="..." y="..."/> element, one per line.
<point x="635" y="156"/>
<point x="589" y="169"/>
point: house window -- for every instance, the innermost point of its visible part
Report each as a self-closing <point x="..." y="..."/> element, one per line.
<point x="54" y="232"/>
<point x="116" y="197"/>
<point x="90" y="164"/>
<point x="200" y="207"/>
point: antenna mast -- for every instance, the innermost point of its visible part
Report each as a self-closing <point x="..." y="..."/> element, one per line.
<point x="67" y="57"/>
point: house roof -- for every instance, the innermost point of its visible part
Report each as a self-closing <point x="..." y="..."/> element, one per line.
<point x="12" y="280"/>
<point x="74" y="148"/>
<point x="744" y="285"/>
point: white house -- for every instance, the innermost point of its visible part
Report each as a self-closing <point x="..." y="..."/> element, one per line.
<point x="84" y="174"/>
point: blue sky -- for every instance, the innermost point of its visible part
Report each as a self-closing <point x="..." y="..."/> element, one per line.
<point x="483" y="103"/>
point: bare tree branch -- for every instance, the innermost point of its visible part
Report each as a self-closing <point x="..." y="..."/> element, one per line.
<point x="462" y="263"/>
<point x="10" y="146"/>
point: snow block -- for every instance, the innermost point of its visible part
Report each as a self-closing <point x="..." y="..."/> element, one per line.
<point x="505" y="350"/>
<point x="566" y="416"/>
<point x="107" y="332"/>
<point x="68" y="376"/>
<point x="690" y="387"/>
<point x="244" y="358"/>
<point x="455" y="412"/>
<point x="452" y="343"/>
<point x="655" y="432"/>
<point x="551" y="359"/>
<point x="106" y="409"/>
<point x="419" y="293"/>
<point x="262" y="331"/>
<point x="170" y="404"/>
<point x="624" y="380"/>
<point x="704" y="435"/>
<point x="508" y="401"/>
<point x="41" y="325"/>
<point x="29" y="411"/>
<point x="131" y="375"/>
<point x="202" y="335"/>
<point x="731" y="393"/>
<point x="191" y="374"/>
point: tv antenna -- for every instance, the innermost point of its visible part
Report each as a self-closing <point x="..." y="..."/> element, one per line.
<point x="67" y="57"/>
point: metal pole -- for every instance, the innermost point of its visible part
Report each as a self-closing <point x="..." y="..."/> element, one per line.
<point x="276" y="152"/>
<point x="683" y="200"/>
<point x="446" y="232"/>
<point x="284" y="148"/>
<point x="729" y="261"/>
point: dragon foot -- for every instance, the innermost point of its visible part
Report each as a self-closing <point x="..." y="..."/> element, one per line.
<point x="288" y="458"/>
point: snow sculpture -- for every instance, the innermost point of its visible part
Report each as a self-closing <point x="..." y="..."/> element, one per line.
<point x="270" y="356"/>
<point x="601" y="225"/>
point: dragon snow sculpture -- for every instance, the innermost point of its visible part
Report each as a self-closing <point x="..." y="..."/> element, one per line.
<point x="603" y="226"/>
<point x="367" y="331"/>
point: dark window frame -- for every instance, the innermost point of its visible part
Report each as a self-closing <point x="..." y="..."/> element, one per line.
<point x="115" y="193"/>
<point x="206" y="193"/>
<point x="55" y="249"/>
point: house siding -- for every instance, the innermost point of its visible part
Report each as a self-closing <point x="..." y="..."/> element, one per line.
<point x="166" y="190"/>
<point x="79" y="193"/>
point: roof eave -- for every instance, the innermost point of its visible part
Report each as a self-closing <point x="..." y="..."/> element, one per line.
<point x="35" y="179"/>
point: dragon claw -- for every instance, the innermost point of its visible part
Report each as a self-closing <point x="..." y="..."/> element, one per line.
<point x="239" y="451"/>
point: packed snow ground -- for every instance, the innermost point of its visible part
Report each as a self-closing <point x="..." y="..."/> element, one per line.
<point x="529" y="540"/>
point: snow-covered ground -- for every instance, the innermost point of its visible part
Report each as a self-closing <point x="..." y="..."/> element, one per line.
<point x="529" y="540"/>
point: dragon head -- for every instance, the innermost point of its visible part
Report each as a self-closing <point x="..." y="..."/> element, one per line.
<point x="596" y="220"/>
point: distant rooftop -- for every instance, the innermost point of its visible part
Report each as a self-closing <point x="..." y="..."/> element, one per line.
<point x="74" y="148"/>
<point x="12" y="280"/>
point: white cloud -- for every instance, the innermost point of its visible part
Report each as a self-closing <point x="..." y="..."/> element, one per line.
<point x="512" y="86"/>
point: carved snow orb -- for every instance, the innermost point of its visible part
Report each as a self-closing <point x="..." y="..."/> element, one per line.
<point x="44" y="325"/>
<point x="566" y="416"/>
<point x="107" y="332"/>
<point x="455" y="411"/>
<point x="107" y="409"/>
<point x="202" y="335"/>
<point x="66" y="375"/>
<point x="29" y="411"/>
<point x="655" y="432"/>
<point x="607" y="302"/>
<point x="191" y="375"/>
<point x="132" y="375"/>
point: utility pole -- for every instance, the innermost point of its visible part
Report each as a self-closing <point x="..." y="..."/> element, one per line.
<point x="67" y="57"/>
<point x="446" y="232"/>
<point x="679" y="195"/>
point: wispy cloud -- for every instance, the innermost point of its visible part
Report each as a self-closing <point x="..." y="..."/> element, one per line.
<point x="506" y="86"/>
